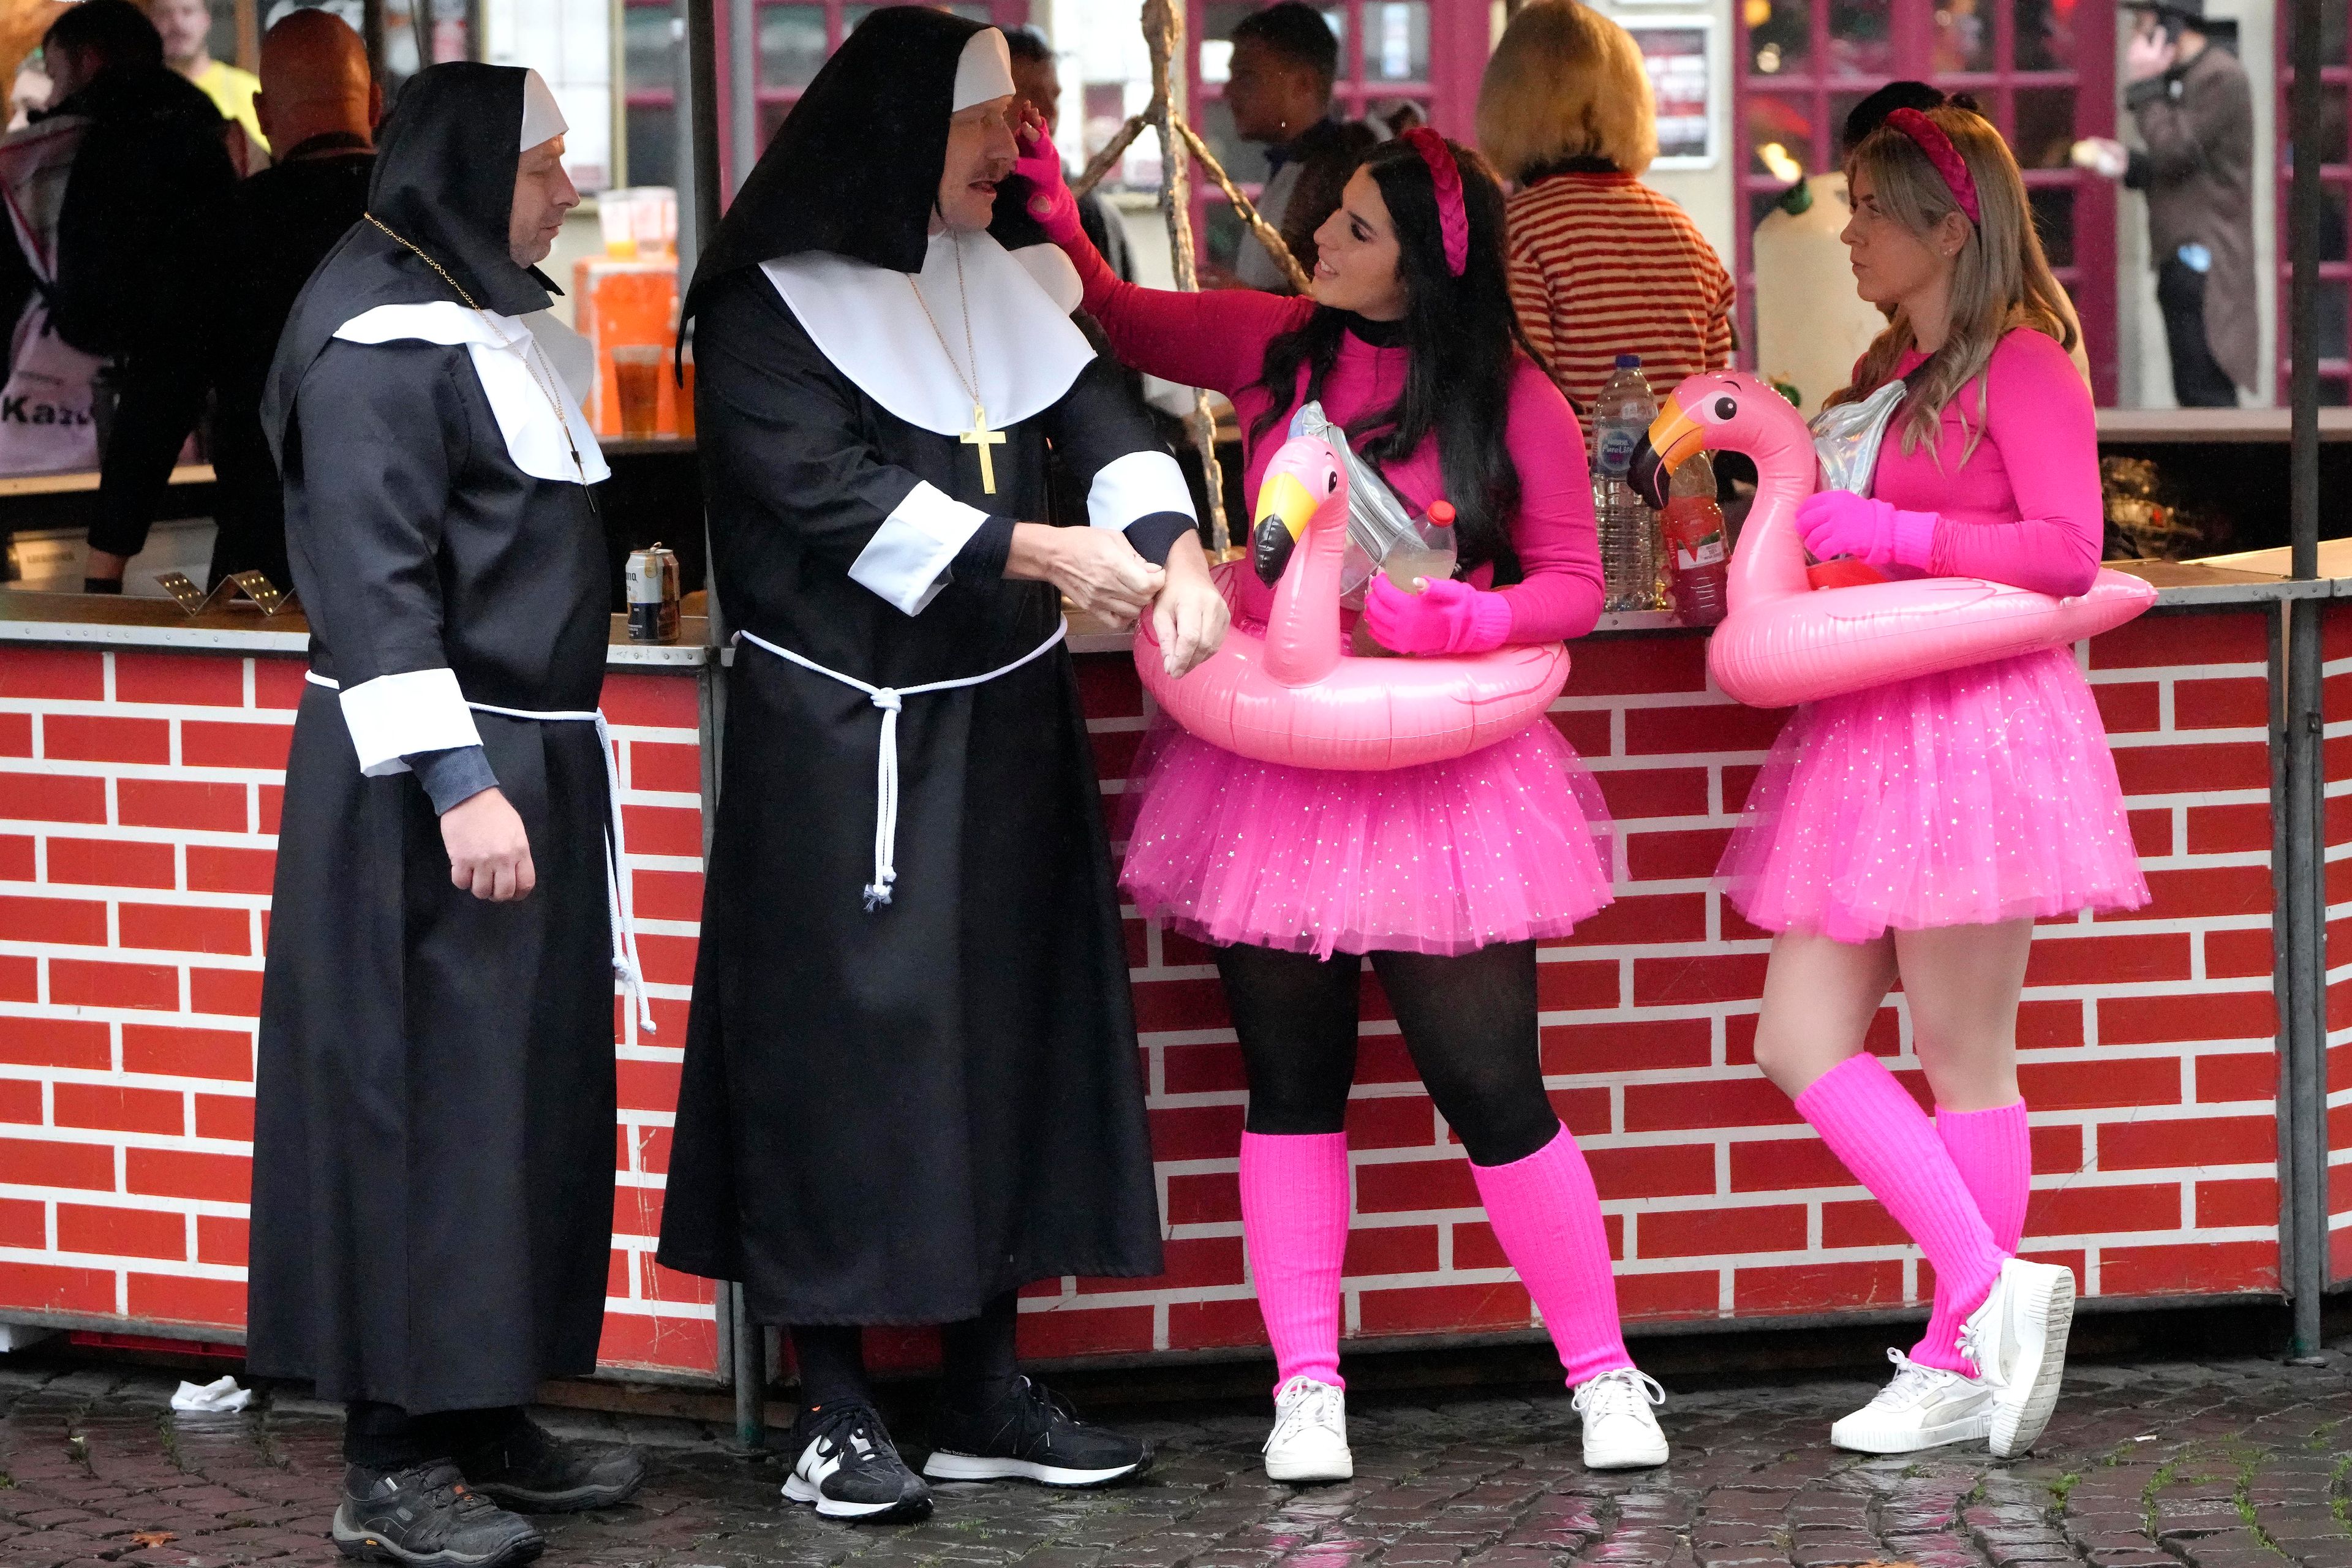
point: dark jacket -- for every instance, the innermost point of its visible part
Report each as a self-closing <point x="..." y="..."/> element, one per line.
<point x="139" y="273"/>
<point x="2198" y="172"/>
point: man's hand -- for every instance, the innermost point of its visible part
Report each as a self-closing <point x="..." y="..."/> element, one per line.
<point x="489" y="853"/>
<point x="2151" y="53"/>
<point x="2103" y="155"/>
<point x="1099" y="569"/>
<point x="1190" y="616"/>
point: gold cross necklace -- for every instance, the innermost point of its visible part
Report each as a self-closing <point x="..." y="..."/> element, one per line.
<point x="531" y="347"/>
<point x="980" y="435"/>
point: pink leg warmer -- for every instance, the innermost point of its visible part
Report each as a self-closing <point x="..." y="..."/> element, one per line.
<point x="1295" y="1224"/>
<point x="1994" y="1155"/>
<point x="1548" y="1217"/>
<point x="1887" y="1141"/>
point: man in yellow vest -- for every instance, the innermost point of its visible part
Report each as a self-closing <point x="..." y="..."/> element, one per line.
<point x="187" y="26"/>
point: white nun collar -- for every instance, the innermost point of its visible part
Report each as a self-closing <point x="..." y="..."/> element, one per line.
<point x="867" y="321"/>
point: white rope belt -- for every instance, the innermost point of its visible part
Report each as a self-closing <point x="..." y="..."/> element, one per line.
<point x="885" y="768"/>
<point x="618" y="905"/>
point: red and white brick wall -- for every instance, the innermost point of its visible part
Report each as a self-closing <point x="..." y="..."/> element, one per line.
<point x="2336" y="708"/>
<point x="138" y="800"/>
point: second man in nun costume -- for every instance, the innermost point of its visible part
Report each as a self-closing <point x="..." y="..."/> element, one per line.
<point x="910" y="1083"/>
<point x="433" y="1152"/>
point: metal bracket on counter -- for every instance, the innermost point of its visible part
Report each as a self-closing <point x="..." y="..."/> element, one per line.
<point x="264" y="594"/>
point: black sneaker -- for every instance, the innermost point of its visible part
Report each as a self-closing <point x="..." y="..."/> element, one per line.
<point x="529" y="1469"/>
<point x="427" y="1514"/>
<point x="1031" y="1435"/>
<point x="849" y="1468"/>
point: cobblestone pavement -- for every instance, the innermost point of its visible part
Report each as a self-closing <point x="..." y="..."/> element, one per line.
<point x="2226" y="1465"/>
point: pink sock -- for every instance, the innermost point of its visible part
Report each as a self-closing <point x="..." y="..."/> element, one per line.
<point x="1295" y="1224"/>
<point x="1994" y="1156"/>
<point x="1548" y="1217"/>
<point x="1887" y="1141"/>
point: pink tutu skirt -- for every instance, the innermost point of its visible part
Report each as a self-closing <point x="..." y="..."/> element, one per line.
<point x="1979" y="796"/>
<point x="1503" y="845"/>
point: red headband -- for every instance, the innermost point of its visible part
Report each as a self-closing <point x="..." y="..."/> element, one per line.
<point x="1452" y="219"/>
<point x="1930" y="138"/>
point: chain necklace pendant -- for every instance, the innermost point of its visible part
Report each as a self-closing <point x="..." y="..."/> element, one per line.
<point x="981" y="436"/>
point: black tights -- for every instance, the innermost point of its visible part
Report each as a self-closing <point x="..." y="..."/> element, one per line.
<point x="976" y="1356"/>
<point x="1469" y="1022"/>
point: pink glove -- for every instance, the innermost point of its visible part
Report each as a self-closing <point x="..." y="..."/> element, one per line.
<point x="1840" y="523"/>
<point x="1050" y="200"/>
<point x="1447" y="617"/>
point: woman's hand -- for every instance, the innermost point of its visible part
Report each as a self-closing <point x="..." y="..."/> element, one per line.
<point x="1444" y="618"/>
<point x="1190" y="616"/>
<point x="489" y="853"/>
<point x="1099" y="569"/>
<point x="1839" y="522"/>
<point x="1050" y="200"/>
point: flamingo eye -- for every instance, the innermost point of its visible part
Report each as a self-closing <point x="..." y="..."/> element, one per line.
<point x="1330" y="481"/>
<point x="1725" y="408"/>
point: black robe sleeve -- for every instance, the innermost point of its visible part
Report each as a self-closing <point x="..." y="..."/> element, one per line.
<point x="374" y="474"/>
<point x="1113" y="450"/>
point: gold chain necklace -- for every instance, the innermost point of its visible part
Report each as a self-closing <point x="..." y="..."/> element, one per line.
<point x="980" y="435"/>
<point x="531" y="347"/>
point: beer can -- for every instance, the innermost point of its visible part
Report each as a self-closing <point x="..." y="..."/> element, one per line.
<point x="653" y="595"/>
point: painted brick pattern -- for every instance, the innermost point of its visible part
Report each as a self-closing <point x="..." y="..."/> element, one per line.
<point x="2147" y="1039"/>
<point x="2336" y="707"/>
<point x="139" y="797"/>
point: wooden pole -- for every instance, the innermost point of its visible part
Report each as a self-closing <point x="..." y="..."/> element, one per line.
<point x="248" y="35"/>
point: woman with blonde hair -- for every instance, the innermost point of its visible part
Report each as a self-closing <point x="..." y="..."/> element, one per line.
<point x="1601" y="265"/>
<point x="1918" y="829"/>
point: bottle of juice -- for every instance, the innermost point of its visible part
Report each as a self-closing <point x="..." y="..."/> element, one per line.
<point x="1697" y="546"/>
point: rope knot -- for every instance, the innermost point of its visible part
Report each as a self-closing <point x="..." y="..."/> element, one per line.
<point x="886" y="698"/>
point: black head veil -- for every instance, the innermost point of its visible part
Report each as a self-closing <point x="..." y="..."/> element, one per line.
<point x="439" y="183"/>
<point x="855" y="168"/>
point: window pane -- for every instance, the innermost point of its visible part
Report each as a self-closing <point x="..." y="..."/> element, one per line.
<point x="792" y="45"/>
<point x="1860" y="38"/>
<point x="647" y="60"/>
<point x="1841" y="104"/>
<point x="2333" y="237"/>
<point x="2333" y="28"/>
<point x="1396" y="40"/>
<point x="652" y="145"/>
<point x="1781" y="139"/>
<point x="2045" y="34"/>
<point x="2334" y="393"/>
<point x="2046" y="127"/>
<point x="1779" y="41"/>
<point x="2335" y="319"/>
<point x="2054" y="214"/>
<point x="2332" y="125"/>
<point x="1963" y="37"/>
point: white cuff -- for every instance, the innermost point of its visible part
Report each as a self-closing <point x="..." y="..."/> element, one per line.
<point x="906" y="562"/>
<point x="1137" y="486"/>
<point x="415" y="711"/>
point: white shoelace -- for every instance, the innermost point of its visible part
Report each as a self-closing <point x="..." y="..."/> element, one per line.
<point x="1979" y="1333"/>
<point x="1316" y="1405"/>
<point x="1623" y="1392"/>
<point x="1913" y="1381"/>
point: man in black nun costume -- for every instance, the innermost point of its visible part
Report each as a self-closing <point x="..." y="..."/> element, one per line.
<point x="910" y="1083"/>
<point x="432" y="1163"/>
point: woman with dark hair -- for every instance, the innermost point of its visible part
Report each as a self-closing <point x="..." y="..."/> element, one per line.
<point x="1444" y="875"/>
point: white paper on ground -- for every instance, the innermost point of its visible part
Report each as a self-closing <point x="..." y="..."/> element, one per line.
<point x="223" y="1395"/>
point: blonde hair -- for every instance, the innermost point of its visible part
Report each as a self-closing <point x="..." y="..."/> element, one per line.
<point x="2000" y="279"/>
<point x="1566" y="82"/>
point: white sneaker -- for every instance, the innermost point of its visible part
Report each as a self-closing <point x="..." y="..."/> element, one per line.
<point x="1620" y="1433"/>
<point x="1310" y="1433"/>
<point x="1924" y="1407"/>
<point x="2018" y="1341"/>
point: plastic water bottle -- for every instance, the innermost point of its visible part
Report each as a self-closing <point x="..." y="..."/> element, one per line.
<point x="1629" y="532"/>
<point x="1697" y="545"/>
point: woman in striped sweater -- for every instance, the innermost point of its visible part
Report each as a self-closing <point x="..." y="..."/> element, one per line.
<point x="1600" y="264"/>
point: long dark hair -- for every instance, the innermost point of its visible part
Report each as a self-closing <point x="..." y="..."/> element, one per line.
<point x="1462" y="339"/>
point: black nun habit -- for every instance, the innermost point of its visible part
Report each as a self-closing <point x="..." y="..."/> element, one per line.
<point x="910" y="1079"/>
<point x="433" y="1170"/>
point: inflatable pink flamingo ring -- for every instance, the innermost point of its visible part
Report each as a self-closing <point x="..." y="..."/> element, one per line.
<point x="1295" y="697"/>
<point x="1784" y="641"/>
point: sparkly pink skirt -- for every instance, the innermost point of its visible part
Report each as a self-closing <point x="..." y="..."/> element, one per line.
<point x="1981" y="794"/>
<point x="1505" y="844"/>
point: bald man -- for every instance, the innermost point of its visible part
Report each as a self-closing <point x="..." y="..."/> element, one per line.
<point x="318" y="106"/>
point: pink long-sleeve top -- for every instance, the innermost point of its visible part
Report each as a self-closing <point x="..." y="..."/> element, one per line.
<point x="2025" y="508"/>
<point x="1218" y="339"/>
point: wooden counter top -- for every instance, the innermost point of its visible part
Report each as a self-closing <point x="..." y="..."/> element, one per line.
<point x="2225" y="426"/>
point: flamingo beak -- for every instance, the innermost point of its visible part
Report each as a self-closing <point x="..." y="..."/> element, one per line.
<point x="1284" y="506"/>
<point x="1670" y="441"/>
